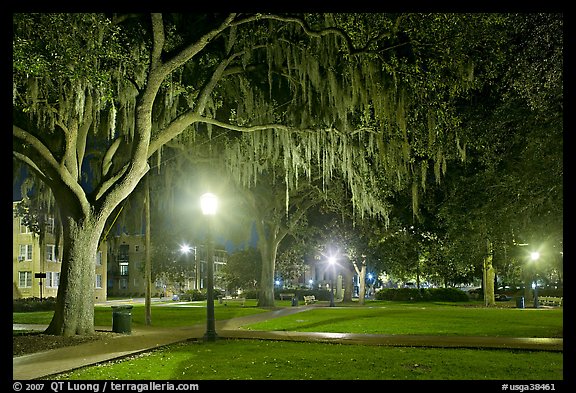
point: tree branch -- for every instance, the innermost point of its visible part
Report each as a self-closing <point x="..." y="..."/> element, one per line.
<point x="157" y="41"/>
<point x="47" y="165"/>
<point x="191" y="50"/>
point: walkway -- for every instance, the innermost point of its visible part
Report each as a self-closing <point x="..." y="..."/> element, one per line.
<point x="60" y="360"/>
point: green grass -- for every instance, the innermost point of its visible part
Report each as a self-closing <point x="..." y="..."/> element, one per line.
<point x="163" y="314"/>
<point x="378" y="317"/>
<point x="423" y="319"/>
<point x="277" y="360"/>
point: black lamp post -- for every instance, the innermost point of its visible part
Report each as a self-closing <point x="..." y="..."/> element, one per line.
<point x="209" y="204"/>
<point x="534" y="256"/>
<point x="331" y="260"/>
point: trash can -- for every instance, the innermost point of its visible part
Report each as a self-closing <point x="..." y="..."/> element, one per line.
<point x="294" y="301"/>
<point x="122" y="319"/>
<point x="520" y="302"/>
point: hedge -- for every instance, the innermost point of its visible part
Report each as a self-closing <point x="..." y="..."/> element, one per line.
<point x="34" y="304"/>
<point x="422" y="294"/>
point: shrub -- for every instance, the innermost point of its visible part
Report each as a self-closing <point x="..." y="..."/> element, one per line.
<point x="195" y="294"/>
<point x="34" y="304"/>
<point x="402" y="294"/>
<point x="448" y="294"/>
<point x="422" y="294"/>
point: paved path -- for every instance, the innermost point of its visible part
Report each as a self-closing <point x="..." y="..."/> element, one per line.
<point x="60" y="360"/>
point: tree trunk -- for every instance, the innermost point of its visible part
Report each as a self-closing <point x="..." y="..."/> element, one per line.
<point x="527" y="286"/>
<point x="362" y="282"/>
<point x="148" y="263"/>
<point x="488" y="276"/>
<point x="268" y="249"/>
<point x="74" y="312"/>
<point x="348" y="284"/>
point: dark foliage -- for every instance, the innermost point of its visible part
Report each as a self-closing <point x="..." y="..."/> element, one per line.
<point x="422" y="294"/>
<point x="34" y="304"/>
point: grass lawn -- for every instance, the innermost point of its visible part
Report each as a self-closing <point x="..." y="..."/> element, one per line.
<point x="423" y="319"/>
<point x="277" y="360"/>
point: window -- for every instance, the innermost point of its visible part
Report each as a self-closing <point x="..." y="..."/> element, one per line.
<point x="50" y="225"/>
<point x="123" y="252"/>
<point x="51" y="253"/>
<point x="98" y="281"/>
<point x="52" y="279"/>
<point x="25" y="279"/>
<point x="123" y="283"/>
<point x="123" y="269"/>
<point x="24" y="228"/>
<point x="99" y="258"/>
<point x="25" y="253"/>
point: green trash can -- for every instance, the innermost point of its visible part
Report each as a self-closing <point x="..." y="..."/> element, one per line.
<point x="122" y="319"/>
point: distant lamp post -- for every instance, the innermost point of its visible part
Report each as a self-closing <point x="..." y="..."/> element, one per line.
<point x="186" y="249"/>
<point x="332" y="261"/>
<point x="534" y="256"/>
<point x="209" y="204"/>
<point x="371" y="281"/>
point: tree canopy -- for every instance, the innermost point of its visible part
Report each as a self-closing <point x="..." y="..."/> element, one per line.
<point x="373" y="98"/>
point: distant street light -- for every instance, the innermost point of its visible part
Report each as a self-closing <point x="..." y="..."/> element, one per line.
<point x="186" y="249"/>
<point x="209" y="204"/>
<point x="332" y="261"/>
<point x="534" y="256"/>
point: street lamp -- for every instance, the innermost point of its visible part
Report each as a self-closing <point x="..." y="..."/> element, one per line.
<point x="209" y="204"/>
<point x="185" y="249"/>
<point x="534" y="257"/>
<point x="332" y="261"/>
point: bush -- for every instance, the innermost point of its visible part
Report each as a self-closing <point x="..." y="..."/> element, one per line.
<point x="448" y="294"/>
<point x="34" y="304"/>
<point x="401" y="294"/>
<point x="422" y="294"/>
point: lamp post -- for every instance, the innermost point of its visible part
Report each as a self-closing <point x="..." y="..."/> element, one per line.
<point x="209" y="204"/>
<point x="185" y="249"/>
<point x="534" y="257"/>
<point x="332" y="260"/>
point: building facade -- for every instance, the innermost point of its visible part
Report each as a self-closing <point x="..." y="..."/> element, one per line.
<point x="36" y="267"/>
<point x="126" y="268"/>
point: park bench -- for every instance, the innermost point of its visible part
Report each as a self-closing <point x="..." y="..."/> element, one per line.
<point x="230" y="299"/>
<point x="289" y="296"/>
<point x="550" y="300"/>
<point x="309" y="299"/>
